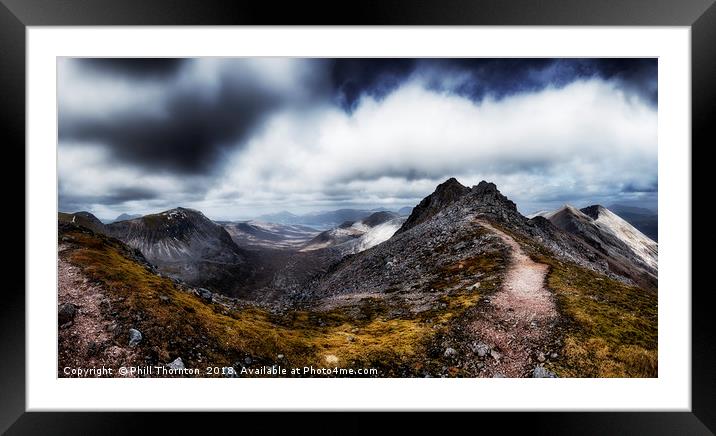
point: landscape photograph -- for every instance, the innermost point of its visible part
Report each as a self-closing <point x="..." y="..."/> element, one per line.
<point x="228" y="217"/>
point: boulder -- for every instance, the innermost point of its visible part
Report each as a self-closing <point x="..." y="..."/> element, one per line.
<point x="135" y="337"/>
<point x="450" y="352"/>
<point x="206" y="295"/>
<point x="66" y="313"/>
<point x="176" y="364"/>
<point x="480" y="349"/>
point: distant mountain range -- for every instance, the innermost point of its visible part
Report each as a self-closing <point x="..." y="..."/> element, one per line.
<point x="609" y="234"/>
<point x="324" y="220"/>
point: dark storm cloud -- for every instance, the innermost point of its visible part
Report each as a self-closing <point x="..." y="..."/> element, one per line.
<point x="188" y="139"/>
<point x="135" y="68"/>
<point x="193" y="125"/>
<point x="497" y="78"/>
<point x="74" y="203"/>
<point x="353" y="78"/>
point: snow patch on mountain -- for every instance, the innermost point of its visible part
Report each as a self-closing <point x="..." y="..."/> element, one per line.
<point x="377" y="235"/>
<point x="351" y="238"/>
<point x="642" y="245"/>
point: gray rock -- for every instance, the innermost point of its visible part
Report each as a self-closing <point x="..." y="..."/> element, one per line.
<point x="499" y="375"/>
<point x="66" y="313"/>
<point x="450" y="352"/>
<point x="540" y="356"/>
<point x="176" y="364"/>
<point x="206" y="295"/>
<point x="542" y="372"/>
<point x="135" y="337"/>
<point x="92" y="348"/>
<point x="495" y="355"/>
<point x="480" y="349"/>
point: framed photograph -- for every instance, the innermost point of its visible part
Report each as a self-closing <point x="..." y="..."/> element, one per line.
<point x="456" y="208"/>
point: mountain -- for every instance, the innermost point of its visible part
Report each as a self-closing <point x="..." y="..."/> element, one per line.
<point x="441" y="231"/>
<point x="610" y="235"/>
<point x="639" y="243"/>
<point x="84" y="219"/>
<point x="355" y="236"/>
<point x="257" y="234"/>
<point x="320" y="220"/>
<point x="645" y="220"/>
<point x="445" y="194"/>
<point x="125" y="217"/>
<point x="176" y="234"/>
<point x="187" y="245"/>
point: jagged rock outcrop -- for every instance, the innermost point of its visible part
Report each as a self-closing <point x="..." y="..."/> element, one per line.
<point x="445" y="194"/>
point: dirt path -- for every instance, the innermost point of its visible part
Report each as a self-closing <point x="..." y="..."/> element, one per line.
<point x="86" y="341"/>
<point x="519" y="317"/>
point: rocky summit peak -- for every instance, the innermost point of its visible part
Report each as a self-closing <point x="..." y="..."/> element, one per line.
<point x="451" y="182"/>
<point x="485" y="186"/>
<point x="487" y="194"/>
<point x="444" y="195"/>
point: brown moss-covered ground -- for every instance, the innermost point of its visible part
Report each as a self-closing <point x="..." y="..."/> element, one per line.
<point x="606" y="328"/>
<point x="381" y="333"/>
<point x="610" y="327"/>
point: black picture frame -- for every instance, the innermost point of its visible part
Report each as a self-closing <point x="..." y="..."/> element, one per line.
<point x="17" y="15"/>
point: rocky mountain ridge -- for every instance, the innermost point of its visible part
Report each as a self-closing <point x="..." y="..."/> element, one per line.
<point x="609" y="235"/>
<point x="469" y="288"/>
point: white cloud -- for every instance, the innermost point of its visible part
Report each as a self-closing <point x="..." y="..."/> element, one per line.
<point x="585" y="140"/>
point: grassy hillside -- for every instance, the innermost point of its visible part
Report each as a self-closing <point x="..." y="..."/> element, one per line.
<point x="610" y="327"/>
<point x="377" y="332"/>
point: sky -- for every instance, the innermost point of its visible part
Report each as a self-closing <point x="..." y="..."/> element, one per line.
<point x="240" y="137"/>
